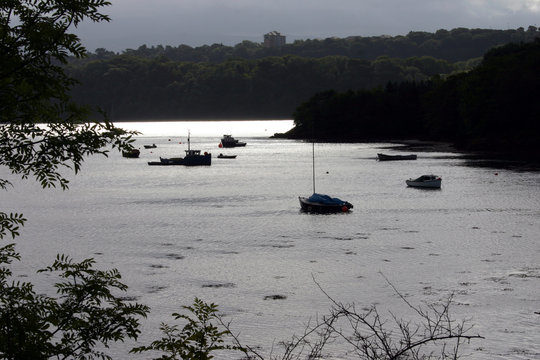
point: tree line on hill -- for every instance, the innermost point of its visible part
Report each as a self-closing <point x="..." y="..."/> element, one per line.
<point x="355" y="99"/>
<point x="220" y="82"/>
<point x="131" y="88"/>
<point x="458" y="44"/>
<point x="492" y="107"/>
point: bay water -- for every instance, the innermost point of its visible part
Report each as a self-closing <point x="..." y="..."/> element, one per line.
<point x="233" y="234"/>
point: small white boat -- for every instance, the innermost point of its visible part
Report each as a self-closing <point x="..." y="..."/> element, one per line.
<point x="425" y="181"/>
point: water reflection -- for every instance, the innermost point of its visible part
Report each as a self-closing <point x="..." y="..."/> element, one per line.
<point x="232" y="233"/>
<point x="262" y="128"/>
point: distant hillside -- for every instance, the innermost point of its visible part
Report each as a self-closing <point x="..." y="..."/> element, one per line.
<point x="222" y="82"/>
<point x="131" y="88"/>
<point x="458" y="44"/>
<point x="493" y="107"/>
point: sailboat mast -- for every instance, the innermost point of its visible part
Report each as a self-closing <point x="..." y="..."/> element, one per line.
<point x="188" y="143"/>
<point x="313" y="154"/>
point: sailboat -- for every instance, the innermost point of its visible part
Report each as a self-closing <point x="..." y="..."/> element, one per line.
<point x="192" y="158"/>
<point x="321" y="203"/>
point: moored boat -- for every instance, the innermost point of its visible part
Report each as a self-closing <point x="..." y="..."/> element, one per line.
<point x="221" y="156"/>
<point x="153" y="146"/>
<point x="192" y="158"/>
<point x="133" y="153"/>
<point x="425" y="181"/>
<point x="385" y="157"/>
<point x="227" y="141"/>
<point x="324" y="204"/>
<point x="320" y="203"/>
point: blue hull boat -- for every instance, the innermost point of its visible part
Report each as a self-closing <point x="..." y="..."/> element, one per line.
<point x="324" y="204"/>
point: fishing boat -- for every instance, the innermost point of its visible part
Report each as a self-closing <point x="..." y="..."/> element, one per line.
<point x="425" y="181"/>
<point x="384" y="157"/>
<point x="321" y="203"/>
<point x="133" y="153"/>
<point x="192" y="158"/>
<point x="227" y="141"/>
<point x="221" y="156"/>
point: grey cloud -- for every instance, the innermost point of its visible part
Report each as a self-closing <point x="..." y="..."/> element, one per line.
<point x="195" y="23"/>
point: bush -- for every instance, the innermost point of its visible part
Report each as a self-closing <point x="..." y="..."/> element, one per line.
<point x="196" y="340"/>
<point x="84" y="315"/>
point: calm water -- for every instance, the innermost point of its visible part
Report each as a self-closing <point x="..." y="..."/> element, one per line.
<point x="232" y="234"/>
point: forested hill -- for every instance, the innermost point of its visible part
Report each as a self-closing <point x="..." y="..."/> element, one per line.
<point x="158" y="83"/>
<point x="458" y="44"/>
<point x="131" y="88"/>
<point x="494" y="107"/>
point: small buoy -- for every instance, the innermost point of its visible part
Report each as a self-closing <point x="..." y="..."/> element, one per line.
<point x="344" y="208"/>
<point x="496" y="173"/>
<point x="220" y="145"/>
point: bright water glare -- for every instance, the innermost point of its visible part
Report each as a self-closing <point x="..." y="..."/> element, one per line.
<point x="232" y="234"/>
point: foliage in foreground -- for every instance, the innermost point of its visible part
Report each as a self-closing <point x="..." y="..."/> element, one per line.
<point x="42" y="132"/>
<point x="367" y="335"/>
<point x="196" y="340"/>
<point x="86" y="313"/>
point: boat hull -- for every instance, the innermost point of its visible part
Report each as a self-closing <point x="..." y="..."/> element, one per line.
<point x="131" y="154"/>
<point x="384" y="157"/>
<point x="425" y="181"/>
<point x="227" y="141"/>
<point x="432" y="184"/>
<point x="232" y="145"/>
<point x="194" y="160"/>
<point x="320" y="208"/>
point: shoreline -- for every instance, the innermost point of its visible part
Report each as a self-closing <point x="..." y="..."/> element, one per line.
<point x="476" y="157"/>
<point x="423" y="146"/>
<point x="197" y="120"/>
<point x="481" y="158"/>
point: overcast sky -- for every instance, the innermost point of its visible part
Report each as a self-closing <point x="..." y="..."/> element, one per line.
<point x="205" y="22"/>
